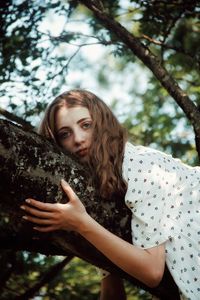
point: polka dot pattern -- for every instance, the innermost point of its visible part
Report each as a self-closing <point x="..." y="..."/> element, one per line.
<point x="164" y="197"/>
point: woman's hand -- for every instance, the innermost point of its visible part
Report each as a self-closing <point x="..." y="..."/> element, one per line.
<point x="146" y="265"/>
<point x="49" y="217"/>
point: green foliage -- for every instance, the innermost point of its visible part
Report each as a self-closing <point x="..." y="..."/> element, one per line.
<point x="77" y="280"/>
<point x="28" y="269"/>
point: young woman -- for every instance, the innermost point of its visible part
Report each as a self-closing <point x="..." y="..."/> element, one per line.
<point x="162" y="193"/>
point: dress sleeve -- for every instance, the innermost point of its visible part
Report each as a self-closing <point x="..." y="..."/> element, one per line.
<point x="146" y="196"/>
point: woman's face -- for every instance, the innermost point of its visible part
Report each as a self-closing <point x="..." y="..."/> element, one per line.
<point x="74" y="130"/>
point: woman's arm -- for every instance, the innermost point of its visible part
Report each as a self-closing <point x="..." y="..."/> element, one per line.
<point x="112" y="287"/>
<point x="145" y="265"/>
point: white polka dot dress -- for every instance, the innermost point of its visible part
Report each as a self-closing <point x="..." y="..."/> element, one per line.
<point x="164" y="197"/>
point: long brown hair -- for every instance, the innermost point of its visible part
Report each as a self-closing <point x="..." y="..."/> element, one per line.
<point x="109" y="137"/>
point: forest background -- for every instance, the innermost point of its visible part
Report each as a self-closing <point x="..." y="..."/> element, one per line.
<point x="48" y="47"/>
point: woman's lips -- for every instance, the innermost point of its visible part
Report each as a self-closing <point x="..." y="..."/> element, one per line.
<point x="82" y="152"/>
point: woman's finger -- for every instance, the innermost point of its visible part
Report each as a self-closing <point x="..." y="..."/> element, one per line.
<point x="41" y="205"/>
<point x="45" y="228"/>
<point x="36" y="212"/>
<point x="68" y="190"/>
<point x="38" y="220"/>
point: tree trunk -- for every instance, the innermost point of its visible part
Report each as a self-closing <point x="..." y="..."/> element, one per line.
<point x="31" y="166"/>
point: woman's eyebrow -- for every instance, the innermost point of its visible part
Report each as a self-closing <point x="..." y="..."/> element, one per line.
<point x="83" y="119"/>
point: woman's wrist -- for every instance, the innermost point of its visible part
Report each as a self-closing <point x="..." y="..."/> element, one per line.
<point x="85" y="225"/>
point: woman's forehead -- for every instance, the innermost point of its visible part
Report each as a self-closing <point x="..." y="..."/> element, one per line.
<point x="67" y="116"/>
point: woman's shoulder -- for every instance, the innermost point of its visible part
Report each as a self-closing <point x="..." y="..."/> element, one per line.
<point x="137" y="154"/>
<point x="147" y="155"/>
<point x="131" y="149"/>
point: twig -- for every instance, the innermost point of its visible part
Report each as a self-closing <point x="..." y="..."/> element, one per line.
<point x="16" y="119"/>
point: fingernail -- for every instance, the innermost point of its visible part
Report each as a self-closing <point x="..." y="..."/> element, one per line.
<point x="22" y="207"/>
<point x="25" y="217"/>
<point x="64" y="182"/>
<point x="28" y="201"/>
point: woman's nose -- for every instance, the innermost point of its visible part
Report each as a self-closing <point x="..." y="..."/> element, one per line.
<point x="79" y="137"/>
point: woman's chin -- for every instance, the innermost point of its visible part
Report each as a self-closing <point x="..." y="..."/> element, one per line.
<point x="83" y="159"/>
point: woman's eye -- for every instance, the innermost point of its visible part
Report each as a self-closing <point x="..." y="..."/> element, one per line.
<point x="64" y="135"/>
<point x="87" y="125"/>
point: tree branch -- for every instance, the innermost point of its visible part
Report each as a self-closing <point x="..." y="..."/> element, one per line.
<point x="47" y="277"/>
<point x="153" y="63"/>
<point x="8" y="115"/>
<point x="167" y="46"/>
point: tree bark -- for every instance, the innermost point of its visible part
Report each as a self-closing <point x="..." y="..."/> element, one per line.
<point x="31" y="166"/>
